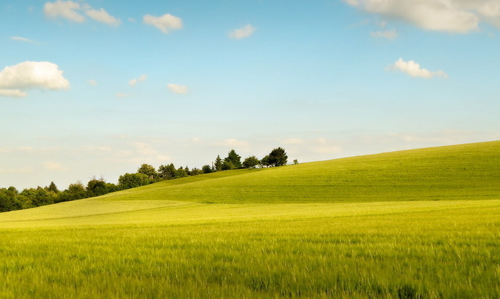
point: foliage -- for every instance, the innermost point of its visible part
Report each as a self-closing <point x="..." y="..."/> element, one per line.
<point x="227" y="165"/>
<point x="206" y="169"/>
<point x="218" y="163"/>
<point x="265" y="162"/>
<point x="148" y="170"/>
<point x="96" y="187"/>
<point x="167" y="172"/>
<point x="251" y="162"/>
<point x="278" y="157"/>
<point x="132" y="180"/>
<point x="233" y="158"/>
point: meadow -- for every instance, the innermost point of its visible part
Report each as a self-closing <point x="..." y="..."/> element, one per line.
<point x="413" y="224"/>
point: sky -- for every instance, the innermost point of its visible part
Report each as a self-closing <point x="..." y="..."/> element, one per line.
<point x="99" y="87"/>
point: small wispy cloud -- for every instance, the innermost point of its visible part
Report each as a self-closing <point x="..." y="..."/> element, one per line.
<point x="122" y="95"/>
<point x="243" y="32"/>
<point x="165" y="23"/>
<point x="388" y="34"/>
<point x="102" y="16"/>
<point x="176" y="88"/>
<point x="133" y="82"/>
<point x="413" y="69"/>
<point x="72" y="11"/>
<point x="92" y="82"/>
<point x="22" y="39"/>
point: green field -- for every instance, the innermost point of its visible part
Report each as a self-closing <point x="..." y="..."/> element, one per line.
<point x="413" y="224"/>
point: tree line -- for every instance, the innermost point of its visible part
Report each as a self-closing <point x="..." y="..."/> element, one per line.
<point x="11" y="199"/>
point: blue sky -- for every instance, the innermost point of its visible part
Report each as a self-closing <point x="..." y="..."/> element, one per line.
<point x="97" y="88"/>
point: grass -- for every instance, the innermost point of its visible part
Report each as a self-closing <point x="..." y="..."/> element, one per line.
<point x="409" y="224"/>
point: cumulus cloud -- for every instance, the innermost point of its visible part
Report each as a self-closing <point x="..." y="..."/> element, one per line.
<point x="14" y="80"/>
<point x="133" y="82"/>
<point x="165" y="23"/>
<point x="389" y="34"/>
<point x="70" y="10"/>
<point x="13" y="93"/>
<point x="22" y="39"/>
<point x="103" y="17"/>
<point x="64" y="9"/>
<point x="176" y="88"/>
<point x="243" y="32"/>
<point x="456" y="16"/>
<point x="413" y="69"/>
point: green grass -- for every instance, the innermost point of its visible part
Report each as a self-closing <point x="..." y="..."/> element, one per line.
<point x="412" y="224"/>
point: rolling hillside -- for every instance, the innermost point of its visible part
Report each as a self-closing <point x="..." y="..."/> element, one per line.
<point x="412" y="224"/>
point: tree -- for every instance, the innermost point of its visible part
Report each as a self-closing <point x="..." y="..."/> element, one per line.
<point x="132" y="180"/>
<point x="96" y="187"/>
<point x="77" y="191"/>
<point x="251" y="162"/>
<point x="265" y="162"/>
<point x="206" y="169"/>
<point x="181" y="173"/>
<point x="278" y="157"/>
<point x="148" y="170"/>
<point x="167" y="172"/>
<point x="227" y="165"/>
<point x="295" y="161"/>
<point x="234" y="158"/>
<point x="53" y="188"/>
<point x="218" y="163"/>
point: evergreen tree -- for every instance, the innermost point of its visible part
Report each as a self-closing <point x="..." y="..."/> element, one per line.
<point x="233" y="158"/>
<point x="218" y="163"/>
<point x="278" y="157"/>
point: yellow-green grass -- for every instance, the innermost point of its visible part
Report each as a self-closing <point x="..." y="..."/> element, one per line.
<point x="470" y="171"/>
<point x="410" y="224"/>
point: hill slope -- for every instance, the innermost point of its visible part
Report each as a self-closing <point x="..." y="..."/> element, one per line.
<point x="470" y="171"/>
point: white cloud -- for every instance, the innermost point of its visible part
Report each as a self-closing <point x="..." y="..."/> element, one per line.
<point x="456" y="16"/>
<point x="103" y="17"/>
<point x="413" y="69"/>
<point x="13" y="93"/>
<point x="92" y="82"/>
<point x="389" y="34"/>
<point x="18" y="170"/>
<point x="132" y="20"/>
<point x="22" y="39"/>
<point x="165" y="23"/>
<point x="70" y="10"/>
<point x="122" y="95"/>
<point x="133" y="82"/>
<point x="64" y="9"/>
<point x="243" y="32"/>
<point x="14" y="80"/>
<point x="176" y="88"/>
<point x="50" y="165"/>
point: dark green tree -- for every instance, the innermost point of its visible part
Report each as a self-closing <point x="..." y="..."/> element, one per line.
<point x="227" y="165"/>
<point x="181" y="173"/>
<point x="233" y="158"/>
<point x="218" y="163"/>
<point x="148" y="170"/>
<point x="278" y="157"/>
<point x="265" y="162"/>
<point x="206" y="169"/>
<point x="251" y="162"/>
<point x="53" y="188"/>
<point x="167" y="172"/>
<point x="132" y="180"/>
<point x="96" y="187"/>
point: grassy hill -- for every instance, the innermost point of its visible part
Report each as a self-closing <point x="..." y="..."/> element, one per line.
<point x="412" y="224"/>
<point x="470" y="171"/>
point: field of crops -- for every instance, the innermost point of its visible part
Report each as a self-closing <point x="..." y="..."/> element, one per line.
<point x="413" y="224"/>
